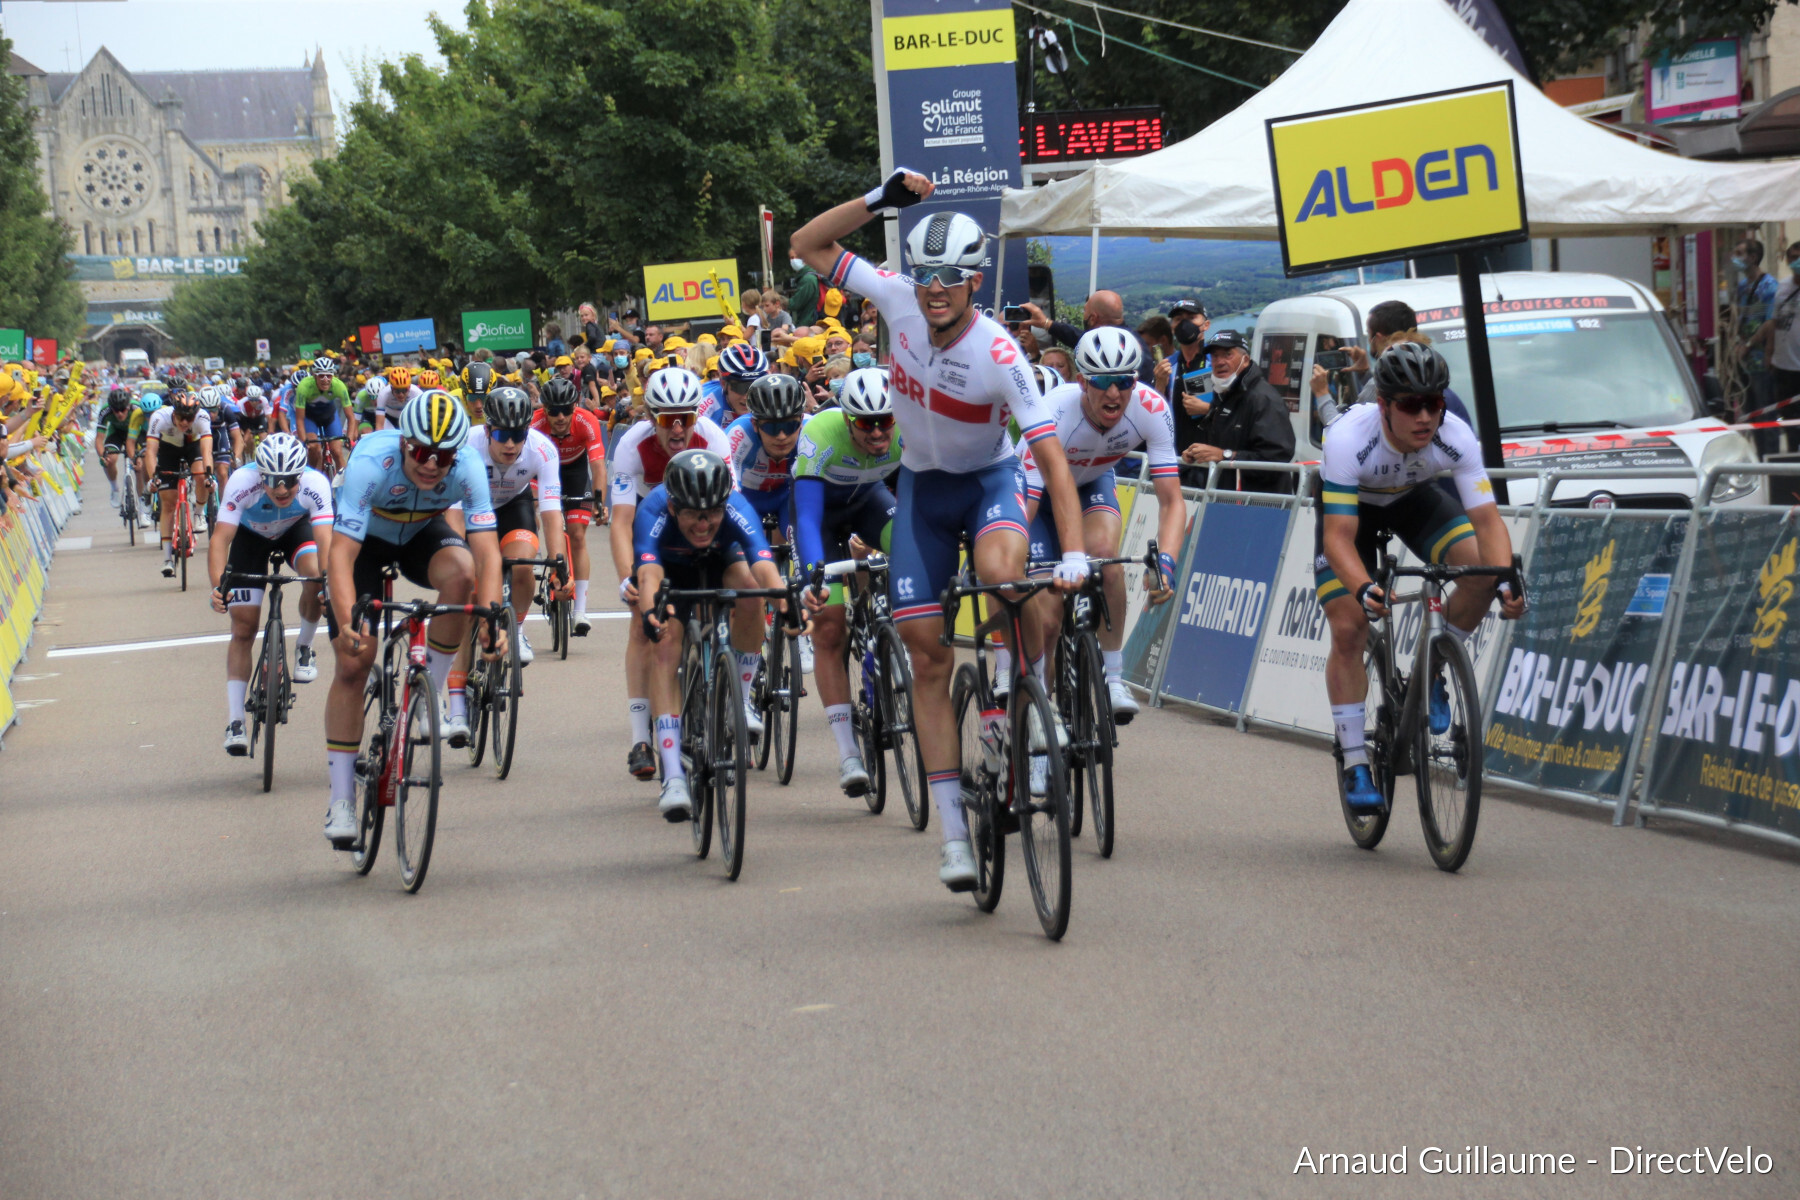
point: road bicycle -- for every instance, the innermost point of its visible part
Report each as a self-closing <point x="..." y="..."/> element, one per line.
<point x="1013" y="777"/>
<point x="271" y="691"/>
<point x="715" y="746"/>
<point x="1082" y="699"/>
<point x="1443" y="756"/>
<point x="780" y="683"/>
<point x="881" y="687"/>
<point x="401" y="766"/>
<point x="559" y="611"/>
<point x="182" y="530"/>
<point x="128" y="501"/>
<point x="494" y="687"/>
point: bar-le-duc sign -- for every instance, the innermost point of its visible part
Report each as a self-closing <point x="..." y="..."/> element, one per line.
<point x="1378" y="182"/>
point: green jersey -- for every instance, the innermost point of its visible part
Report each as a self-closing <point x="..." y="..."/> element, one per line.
<point x="827" y="453"/>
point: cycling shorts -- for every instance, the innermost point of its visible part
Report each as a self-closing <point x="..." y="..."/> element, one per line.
<point x="173" y="461"/>
<point x="251" y="552"/>
<point x="577" y="492"/>
<point x="519" y="513"/>
<point x="935" y="512"/>
<point x="1427" y="519"/>
<point x="870" y="517"/>
<point x="1100" y="494"/>
<point x="324" y="431"/>
<point x="413" y="558"/>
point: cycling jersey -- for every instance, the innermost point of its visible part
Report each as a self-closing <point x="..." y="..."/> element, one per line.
<point x="584" y="439"/>
<point x="951" y="403"/>
<point x="656" y="535"/>
<point x="764" y="479"/>
<point x="391" y="402"/>
<point x="320" y="408"/>
<point x="537" y="464"/>
<point x="114" y="428"/>
<point x="378" y="502"/>
<point x="247" y="503"/>
<point x="639" y="459"/>
<point x="713" y="406"/>
<point x="1147" y="423"/>
<point x="162" y="427"/>
<point x="1361" y="467"/>
<point x="833" y="479"/>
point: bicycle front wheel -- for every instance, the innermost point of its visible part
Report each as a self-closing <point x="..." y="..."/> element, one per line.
<point x="274" y="702"/>
<point x="1041" y="800"/>
<point x="696" y="749"/>
<point x="420" y="774"/>
<point x="371" y="765"/>
<point x="865" y="720"/>
<point x="506" y="682"/>
<point x="1091" y="743"/>
<point x="1447" y="755"/>
<point x="783" y="724"/>
<point x="1368" y="826"/>
<point x="184" y="533"/>
<point x="475" y="698"/>
<point x="729" y="744"/>
<point x="979" y="791"/>
<point x="899" y="733"/>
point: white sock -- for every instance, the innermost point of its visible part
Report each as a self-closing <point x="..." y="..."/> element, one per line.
<point x="1461" y="635"/>
<point x="1114" y="662"/>
<point x="1002" y="663"/>
<point x="459" y="703"/>
<point x="747" y="664"/>
<point x="307" y="630"/>
<point x="1348" y="720"/>
<point x="668" y="742"/>
<point x="438" y="663"/>
<point x="1040" y="666"/>
<point x="837" y="716"/>
<point x="234" y="698"/>
<point x="581" y="598"/>
<point x="343" y="773"/>
<point x="640" y="720"/>
<point x="946" y="793"/>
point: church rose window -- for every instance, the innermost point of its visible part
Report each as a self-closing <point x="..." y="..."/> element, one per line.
<point x="116" y="177"/>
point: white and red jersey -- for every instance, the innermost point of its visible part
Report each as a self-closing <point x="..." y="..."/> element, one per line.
<point x="1147" y="424"/>
<point x="951" y="403"/>
<point x="583" y="439"/>
<point x="537" y="464"/>
<point x="247" y="503"/>
<point x="639" y="460"/>
<point x="392" y="402"/>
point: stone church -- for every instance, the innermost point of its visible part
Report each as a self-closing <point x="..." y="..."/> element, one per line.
<point x="162" y="176"/>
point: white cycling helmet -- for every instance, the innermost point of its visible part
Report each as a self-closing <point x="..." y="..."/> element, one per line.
<point x="1048" y="378"/>
<point x="211" y="397"/>
<point x="253" y="393"/>
<point x="865" y="393"/>
<point x="945" y="239"/>
<point x="435" y="418"/>
<point x="280" y="454"/>
<point x="673" y="389"/>
<point x="1108" y="350"/>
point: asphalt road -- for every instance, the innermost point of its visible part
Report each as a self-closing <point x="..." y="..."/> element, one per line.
<point x="199" y="999"/>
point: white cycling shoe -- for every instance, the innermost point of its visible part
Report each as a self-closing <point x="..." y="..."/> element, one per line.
<point x="454" y="730"/>
<point x="753" y="722"/>
<point x="237" y="744"/>
<point x="853" y="777"/>
<point x="525" y="654"/>
<point x="340" y="823"/>
<point x="1124" y="704"/>
<point x="675" y="804"/>
<point x="806" y="654"/>
<point x="958" y="870"/>
<point x="306" y="664"/>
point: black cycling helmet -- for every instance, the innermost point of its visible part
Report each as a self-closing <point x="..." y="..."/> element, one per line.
<point x="480" y="378"/>
<point x="1411" y="369"/>
<point x="697" y="479"/>
<point x="118" y="400"/>
<point x="559" y="396"/>
<point x="507" y="408"/>
<point x="777" y="397"/>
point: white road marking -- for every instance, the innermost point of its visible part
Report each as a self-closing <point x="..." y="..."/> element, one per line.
<point x="74" y="543"/>
<point x="206" y="639"/>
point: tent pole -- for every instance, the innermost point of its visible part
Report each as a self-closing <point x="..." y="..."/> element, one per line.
<point x="1094" y="262"/>
<point x="999" y="275"/>
<point x="1481" y="365"/>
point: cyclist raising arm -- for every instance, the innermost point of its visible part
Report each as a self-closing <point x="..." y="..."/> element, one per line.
<point x="1380" y="460"/>
<point x="957" y="376"/>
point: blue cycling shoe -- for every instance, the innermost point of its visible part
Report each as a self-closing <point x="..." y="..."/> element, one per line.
<point x="1360" y="791"/>
<point x="1440" y="707"/>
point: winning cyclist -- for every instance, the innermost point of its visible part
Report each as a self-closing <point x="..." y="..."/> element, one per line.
<point x="957" y="377"/>
<point x="696" y="531"/>
<point x="582" y="448"/>
<point x="1380" y="460"/>
<point x="323" y="403"/>
<point x="672" y="397"/>
<point x="396" y="489"/>
<point x="1100" y="419"/>
<point x="178" y="438"/>
<point x="275" y="505"/>
<point x="840" y="492"/>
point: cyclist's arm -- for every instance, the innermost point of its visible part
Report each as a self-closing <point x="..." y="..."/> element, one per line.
<point x="340" y="571"/>
<point x="484" y="544"/>
<point x="809" y="518"/>
<point x="816" y="242"/>
<point x="206" y="445"/>
<point x="1493" y="541"/>
<point x="218" y="548"/>
<point x="1171" y="521"/>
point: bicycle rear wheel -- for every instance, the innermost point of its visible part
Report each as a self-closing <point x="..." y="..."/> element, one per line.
<point x="1041" y="800"/>
<point x="898" y="731"/>
<point x="1447" y="766"/>
<point x="506" y="683"/>
<point x="184" y="534"/>
<point x="1091" y="744"/>
<point x="729" y="744"/>
<point x="371" y="765"/>
<point x="274" y="706"/>
<point x="785" y="688"/>
<point x="696" y="750"/>
<point x="415" y="740"/>
<point x="865" y="720"/>
<point x="980" y="791"/>
<point x="128" y="508"/>
<point x="1367" y="827"/>
<point x="565" y="621"/>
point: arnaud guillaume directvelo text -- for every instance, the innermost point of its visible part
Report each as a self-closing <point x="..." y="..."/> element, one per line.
<point x="1485" y="1160"/>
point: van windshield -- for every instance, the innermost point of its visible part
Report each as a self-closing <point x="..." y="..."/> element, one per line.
<point x="1617" y="367"/>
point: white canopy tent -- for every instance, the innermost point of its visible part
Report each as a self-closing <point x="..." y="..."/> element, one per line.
<point x="1580" y="180"/>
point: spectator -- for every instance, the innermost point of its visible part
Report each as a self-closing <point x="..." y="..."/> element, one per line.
<point x="1183" y="376"/>
<point x="803" y="307"/>
<point x="653" y="339"/>
<point x="1102" y="308"/>
<point x="590" y="326"/>
<point x="553" y="339"/>
<point x="772" y="316"/>
<point x="1755" y="301"/>
<point x="748" y="303"/>
<point x="1390" y="322"/>
<point x="1247" y="421"/>
<point x="1060" y="361"/>
<point x="1156" y="333"/>
<point x="1779" y="337"/>
<point x="862" y="351"/>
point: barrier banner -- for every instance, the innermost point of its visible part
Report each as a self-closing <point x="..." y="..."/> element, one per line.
<point x="1581" y="657"/>
<point x="1288" y="685"/>
<point x="1221" y="600"/>
<point x="1730" y="723"/>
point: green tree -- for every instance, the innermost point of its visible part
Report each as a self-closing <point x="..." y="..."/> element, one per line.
<point x="218" y="315"/>
<point x="37" y="292"/>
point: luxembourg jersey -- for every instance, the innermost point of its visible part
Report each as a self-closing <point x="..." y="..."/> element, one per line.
<point x="951" y="404"/>
<point x="1147" y="423"/>
<point x="760" y="474"/>
<point x="245" y="502"/>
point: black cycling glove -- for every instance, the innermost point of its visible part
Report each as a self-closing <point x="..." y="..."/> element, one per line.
<point x="893" y="193"/>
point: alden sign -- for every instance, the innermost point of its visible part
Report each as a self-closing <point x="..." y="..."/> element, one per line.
<point x="1379" y="182"/>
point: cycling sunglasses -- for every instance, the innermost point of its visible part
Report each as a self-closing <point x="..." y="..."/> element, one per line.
<point x="778" y="428"/>
<point x="559" y="410"/>
<point x="923" y="277"/>
<point x="507" y="435"/>
<point x="425" y="456"/>
<point x="875" y="424"/>
<point x="281" y="481"/>
<point x="676" y="420"/>
<point x="1107" y="383"/>
<point x="1412" y="406"/>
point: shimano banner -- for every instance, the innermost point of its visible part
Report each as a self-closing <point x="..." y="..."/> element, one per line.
<point x="1730" y="723"/>
<point x="952" y="112"/>
<point x="1221" y="598"/>
<point x="1573" y="685"/>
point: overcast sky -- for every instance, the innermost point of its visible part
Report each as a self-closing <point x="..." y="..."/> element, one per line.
<point x="200" y="35"/>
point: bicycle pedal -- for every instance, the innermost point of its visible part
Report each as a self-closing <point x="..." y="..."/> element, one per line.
<point x="344" y="844"/>
<point x="1006" y="821"/>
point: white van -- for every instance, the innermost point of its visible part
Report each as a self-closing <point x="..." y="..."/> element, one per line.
<point x="131" y="359"/>
<point x="1587" y="375"/>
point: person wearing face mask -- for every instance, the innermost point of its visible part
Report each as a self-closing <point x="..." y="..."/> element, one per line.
<point x="803" y="304"/>
<point x="1183" y="375"/>
<point x="1755" y="303"/>
<point x="1247" y="421"/>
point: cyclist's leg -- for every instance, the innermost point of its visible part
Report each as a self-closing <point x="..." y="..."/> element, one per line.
<point x="1346" y="675"/>
<point x="516" y="523"/>
<point x="249" y="554"/>
<point x="168" y="463"/>
<point x="350" y="672"/>
<point x="578" y="514"/>
<point x="439" y="558"/>
<point x="1435" y="527"/>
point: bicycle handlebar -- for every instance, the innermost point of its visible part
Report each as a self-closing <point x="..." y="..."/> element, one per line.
<point x="231" y="577"/>
<point x="1392" y="570"/>
<point x="665" y="594"/>
<point x="425" y="609"/>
